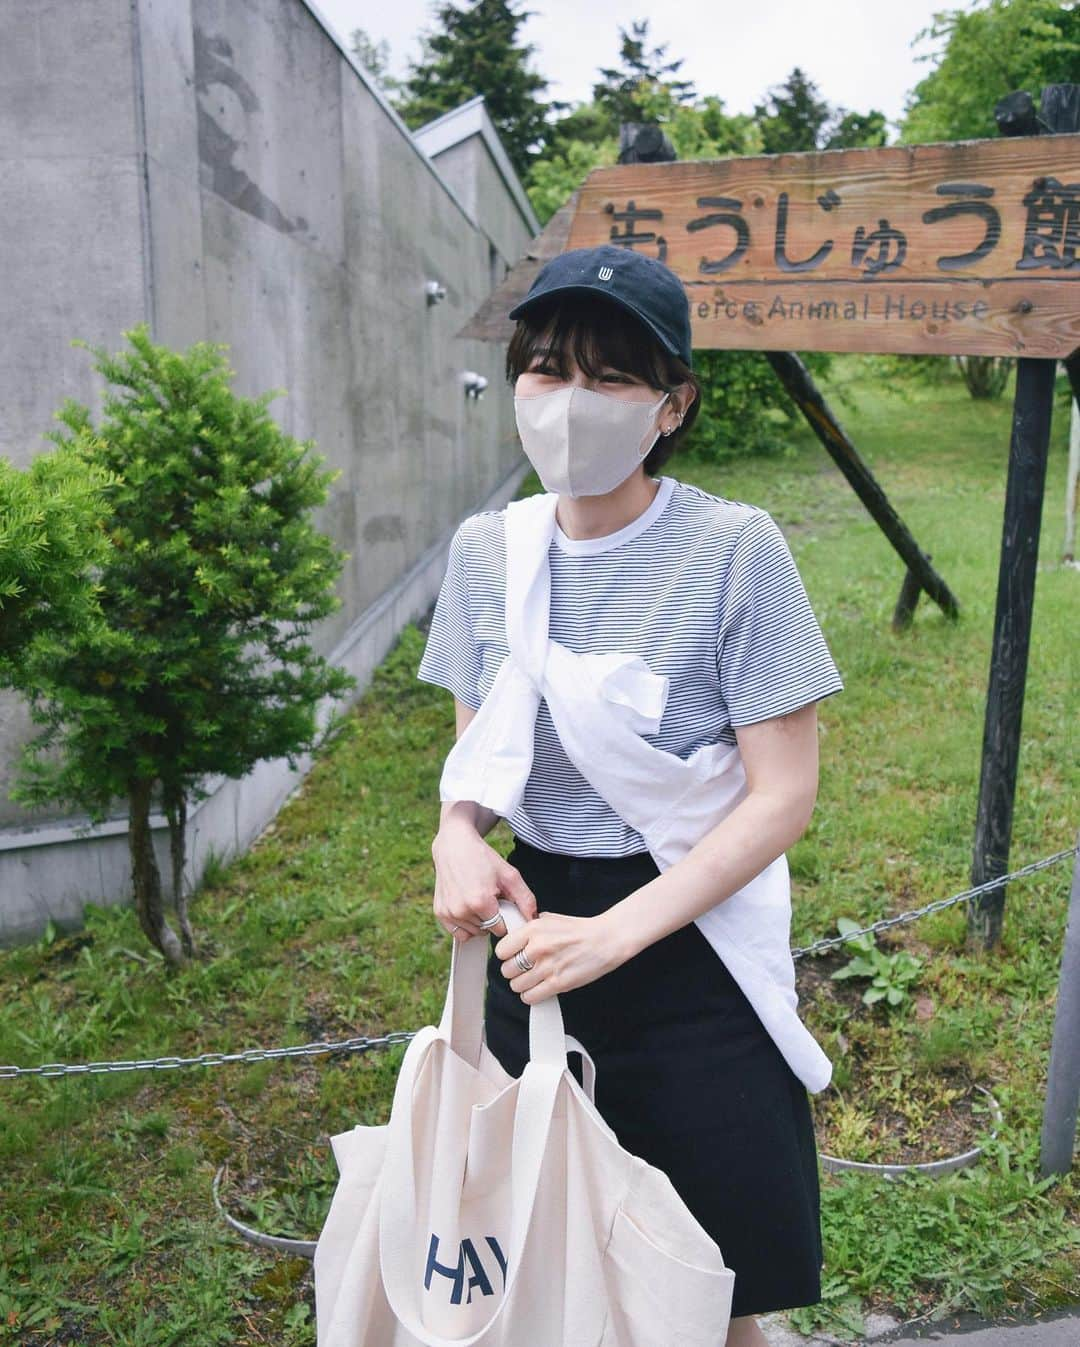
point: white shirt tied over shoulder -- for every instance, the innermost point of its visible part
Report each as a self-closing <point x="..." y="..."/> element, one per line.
<point x="601" y="704"/>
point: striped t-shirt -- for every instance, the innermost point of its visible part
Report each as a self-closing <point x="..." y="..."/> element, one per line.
<point x="729" y="623"/>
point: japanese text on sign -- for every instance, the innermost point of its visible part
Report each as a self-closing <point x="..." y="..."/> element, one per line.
<point x="956" y="247"/>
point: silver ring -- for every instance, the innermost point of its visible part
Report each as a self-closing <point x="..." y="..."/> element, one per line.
<point x="489" y="922"/>
<point x="523" y="961"/>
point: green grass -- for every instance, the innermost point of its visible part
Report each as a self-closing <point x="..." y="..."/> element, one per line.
<point x="324" y="929"/>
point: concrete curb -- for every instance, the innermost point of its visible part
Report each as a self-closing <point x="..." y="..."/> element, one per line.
<point x="1060" y="1329"/>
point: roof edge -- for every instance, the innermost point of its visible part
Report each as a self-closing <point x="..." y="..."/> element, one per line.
<point x="470" y="119"/>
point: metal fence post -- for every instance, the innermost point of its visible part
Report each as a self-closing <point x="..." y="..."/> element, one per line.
<point x="1063" y="1080"/>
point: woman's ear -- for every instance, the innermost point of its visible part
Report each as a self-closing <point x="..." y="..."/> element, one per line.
<point x="682" y="398"/>
<point x="690" y="393"/>
<point x="679" y="400"/>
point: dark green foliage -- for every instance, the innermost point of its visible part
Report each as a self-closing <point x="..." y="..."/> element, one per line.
<point x="212" y="552"/>
<point x="618" y="94"/>
<point x="792" y="116"/>
<point x="584" y="124"/>
<point x="985" y="375"/>
<point x="476" y="52"/>
<point x="745" y="410"/>
<point x="856" y="129"/>
<point x="896" y="369"/>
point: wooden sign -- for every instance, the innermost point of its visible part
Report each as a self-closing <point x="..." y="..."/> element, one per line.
<point x="959" y="247"/>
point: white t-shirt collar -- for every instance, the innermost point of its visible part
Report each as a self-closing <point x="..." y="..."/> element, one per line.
<point x="589" y="546"/>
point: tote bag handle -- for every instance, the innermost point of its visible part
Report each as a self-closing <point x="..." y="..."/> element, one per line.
<point x="538" y="1089"/>
<point x="462" y="1021"/>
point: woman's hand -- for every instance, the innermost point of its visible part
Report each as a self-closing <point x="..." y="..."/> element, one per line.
<point x="470" y="878"/>
<point x="566" y="952"/>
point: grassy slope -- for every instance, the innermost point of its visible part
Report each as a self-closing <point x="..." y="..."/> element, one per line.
<point x="324" y="929"/>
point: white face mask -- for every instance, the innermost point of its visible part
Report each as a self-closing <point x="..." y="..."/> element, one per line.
<point x="584" y="443"/>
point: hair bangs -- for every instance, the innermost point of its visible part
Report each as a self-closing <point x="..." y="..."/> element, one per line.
<point x="595" y="333"/>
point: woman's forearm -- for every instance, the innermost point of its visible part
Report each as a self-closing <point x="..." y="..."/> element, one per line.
<point x="758" y="829"/>
<point x="468" y="812"/>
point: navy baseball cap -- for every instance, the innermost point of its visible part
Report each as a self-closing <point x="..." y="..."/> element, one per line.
<point x="646" y="287"/>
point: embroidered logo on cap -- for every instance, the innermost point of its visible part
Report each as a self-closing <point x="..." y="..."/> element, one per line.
<point x="605" y="273"/>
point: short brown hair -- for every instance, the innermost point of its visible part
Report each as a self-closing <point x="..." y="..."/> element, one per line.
<point x="601" y="333"/>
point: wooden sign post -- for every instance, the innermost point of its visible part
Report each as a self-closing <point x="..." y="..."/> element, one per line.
<point x="968" y="247"/>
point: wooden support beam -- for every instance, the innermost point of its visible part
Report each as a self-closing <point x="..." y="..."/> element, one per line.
<point x="795" y="377"/>
<point x="1021" y="522"/>
<point x="909" y="598"/>
<point x="1059" y="111"/>
<point x="1072" y="470"/>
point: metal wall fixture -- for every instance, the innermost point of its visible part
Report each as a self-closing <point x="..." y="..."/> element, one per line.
<point x="435" y="291"/>
<point x="474" y="384"/>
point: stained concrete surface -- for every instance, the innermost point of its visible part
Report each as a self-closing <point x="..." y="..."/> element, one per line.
<point x="1061" y="1329"/>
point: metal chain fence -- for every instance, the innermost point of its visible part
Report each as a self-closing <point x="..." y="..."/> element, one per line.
<point x="360" y="1044"/>
<point x="939" y="906"/>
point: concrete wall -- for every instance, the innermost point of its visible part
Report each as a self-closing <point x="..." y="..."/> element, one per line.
<point x="223" y="170"/>
<point x="71" y="247"/>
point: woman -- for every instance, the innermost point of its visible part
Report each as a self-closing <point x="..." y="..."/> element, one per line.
<point x="687" y="1075"/>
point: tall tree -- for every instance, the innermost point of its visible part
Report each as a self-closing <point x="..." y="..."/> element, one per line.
<point x="852" y="130"/>
<point x="375" y="58"/>
<point x="1002" y="46"/>
<point x="641" y="89"/>
<point x="639" y="73"/>
<point x="476" y="51"/>
<point x="793" y="115"/>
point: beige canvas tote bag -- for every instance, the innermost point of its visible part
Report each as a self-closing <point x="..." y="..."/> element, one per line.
<point x="502" y="1211"/>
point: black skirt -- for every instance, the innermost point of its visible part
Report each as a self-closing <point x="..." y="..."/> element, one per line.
<point x="687" y="1078"/>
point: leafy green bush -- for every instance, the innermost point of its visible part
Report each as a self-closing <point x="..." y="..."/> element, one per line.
<point x="891" y="975"/>
<point x="745" y="410"/>
<point x="52" y="543"/>
<point x="211" y="581"/>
